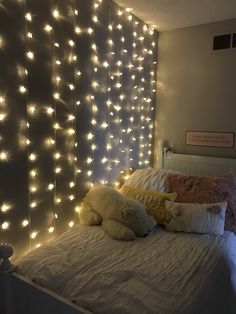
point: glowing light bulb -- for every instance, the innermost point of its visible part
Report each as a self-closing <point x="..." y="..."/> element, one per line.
<point x="32" y="157"/>
<point x="89" y="160"/>
<point x="95" y="19"/>
<point x="5" y="225"/>
<point x="77" y="30"/>
<point x="3" y="116"/>
<point x="90" y="136"/>
<point x="56" y="126"/>
<point x="33" y="204"/>
<point x="22" y="89"/>
<point x="33" y="189"/>
<point x="104" y="125"/>
<point x="28" y="17"/>
<point x="56" y="14"/>
<point x="71" y="197"/>
<point x="49" y="110"/>
<point x="71" y="131"/>
<point x="71" y="43"/>
<point x="57" y="155"/>
<point x="71" y="224"/>
<point x="56" y="96"/>
<point x="57" y="170"/>
<point x="93" y="147"/>
<point x="104" y="160"/>
<point x="48" y="28"/>
<point x="25" y="223"/>
<point x="105" y="64"/>
<point x="72" y="184"/>
<point x="89" y="173"/>
<point x="30" y="55"/>
<point x="71" y="86"/>
<point x="3" y="156"/>
<point x="50" y="186"/>
<point x="5" y="207"/>
<point x="51" y="229"/>
<point x="29" y="35"/>
<point x="90" y="30"/>
<point x="33" y="234"/>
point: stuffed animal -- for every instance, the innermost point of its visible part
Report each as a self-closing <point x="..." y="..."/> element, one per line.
<point x="123" y="218"/>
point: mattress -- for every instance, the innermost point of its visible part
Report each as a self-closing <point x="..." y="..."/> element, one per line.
<point x="162" y="273"/>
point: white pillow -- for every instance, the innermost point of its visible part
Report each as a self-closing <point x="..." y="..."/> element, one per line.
<point x="152" y="179"/>
<point x="199" y="218"/>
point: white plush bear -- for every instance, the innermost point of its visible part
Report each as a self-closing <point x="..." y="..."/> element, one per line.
<point x="122" y="217"/>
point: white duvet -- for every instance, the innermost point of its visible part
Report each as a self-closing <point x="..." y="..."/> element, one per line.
<point x="163" y="273"/>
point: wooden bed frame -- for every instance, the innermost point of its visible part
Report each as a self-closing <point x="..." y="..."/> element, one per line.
<point x="21" y="295"/>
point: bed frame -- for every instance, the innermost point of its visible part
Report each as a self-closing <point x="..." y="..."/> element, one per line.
<point x="198" y="165"/>
<point x="20" y="295"/>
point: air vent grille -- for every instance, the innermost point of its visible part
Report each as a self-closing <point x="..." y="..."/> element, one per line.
<point x="224" y="41"/>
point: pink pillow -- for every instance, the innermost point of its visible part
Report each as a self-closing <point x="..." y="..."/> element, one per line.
<point x="192" y="189"/>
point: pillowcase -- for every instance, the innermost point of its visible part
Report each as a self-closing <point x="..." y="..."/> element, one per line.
<point x="193" y="189"/>
<point x="199" y="218"/>
<point x="153" y="201"/>
<point x="149" y="179"/>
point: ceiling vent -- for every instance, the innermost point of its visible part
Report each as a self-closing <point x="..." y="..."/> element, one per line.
<point x="224" y="41"/>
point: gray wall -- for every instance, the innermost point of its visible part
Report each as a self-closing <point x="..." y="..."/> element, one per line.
<point x="196" y="87"/>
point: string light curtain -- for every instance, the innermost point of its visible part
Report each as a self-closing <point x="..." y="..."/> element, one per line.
<point x="77" y="102"/>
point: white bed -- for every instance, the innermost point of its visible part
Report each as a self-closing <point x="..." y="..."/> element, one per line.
<point x="85" y="271"/>
<point x="162" y="273"/>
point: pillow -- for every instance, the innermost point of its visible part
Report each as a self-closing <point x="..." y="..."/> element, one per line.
<point x="153" y="201"/>
<point x="193" y="189"/>
<point x="199" y="218"/>
<point x="148" y="179"/>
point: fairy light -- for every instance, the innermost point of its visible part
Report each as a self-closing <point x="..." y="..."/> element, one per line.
<point x="71" y="224"/>
<point x="122" y="115"/>
<point x="22" y="89"/>
<point x="33" y="234"/>
<point x="30" y="55"/>
<point x="5" y="207"/>
<point x="3" y="156"/>
<point x="28" y="17"/>
<point x="55" y="14"/>
<point x="48" y="28"/>
<point x="51" y="229"/>
<point x="5" y="225"/>
<point x="25" y="223"/>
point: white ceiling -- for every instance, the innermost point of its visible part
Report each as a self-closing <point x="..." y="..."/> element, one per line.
<point x="171" y="14"/>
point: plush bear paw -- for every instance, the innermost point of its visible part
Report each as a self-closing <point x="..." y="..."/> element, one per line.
<point x="88" y="217"/>
<point x="117" y="230"/>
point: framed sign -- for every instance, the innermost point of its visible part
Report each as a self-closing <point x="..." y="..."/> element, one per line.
<point x="212" y="139"/>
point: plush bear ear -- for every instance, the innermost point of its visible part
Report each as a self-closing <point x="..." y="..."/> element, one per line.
<point x="126" y="212"/>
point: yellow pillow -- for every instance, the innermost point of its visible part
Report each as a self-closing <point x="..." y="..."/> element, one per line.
<point x="154" y="201"/>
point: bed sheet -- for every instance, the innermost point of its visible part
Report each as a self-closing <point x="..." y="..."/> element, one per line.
<point x="164" y="273"/>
